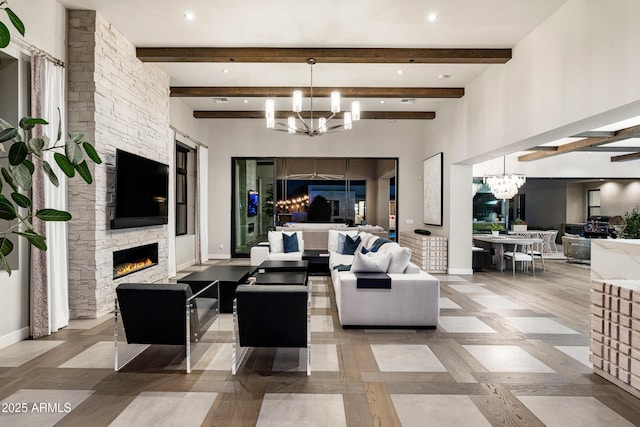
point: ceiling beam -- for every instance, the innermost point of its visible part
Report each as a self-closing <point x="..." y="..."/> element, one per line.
<point x="364" y="115"/>
<point x="324" y="55"/>
<point x="345" y="92"/>
<point x="626" y="157"/>
<point x="632" y="132"/>
<point x="595" y="134"/>
<point x="603" y="149"/>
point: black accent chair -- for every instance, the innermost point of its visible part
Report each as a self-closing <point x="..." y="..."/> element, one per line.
<point x="271" y="316"/>
<point x="168" y="314"/>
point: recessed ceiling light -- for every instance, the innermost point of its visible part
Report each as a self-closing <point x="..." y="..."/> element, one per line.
<point x="400" y="72"/>
<point x="189" y="16"/>
<point x="245" y="101"/>
<point x="432" y="17"/>
<point x="220" y="100"/>
<point x="444" y="76"/>
<point x="382" y="101"/>
<point x="225" y="70"/>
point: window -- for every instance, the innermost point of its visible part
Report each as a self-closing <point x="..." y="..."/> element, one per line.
<point x="593" y="203"/>
<point x="181" y="190"/>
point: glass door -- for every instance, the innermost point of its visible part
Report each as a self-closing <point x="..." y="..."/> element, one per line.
<point x="252" y="203"/>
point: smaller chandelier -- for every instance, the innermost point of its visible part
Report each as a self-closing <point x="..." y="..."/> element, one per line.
<point x="296" y="125"/>
<point x="504" y="186"/>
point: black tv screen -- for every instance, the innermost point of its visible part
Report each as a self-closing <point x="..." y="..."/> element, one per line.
<point x="142" y="189"/>
<point x="252" y="203"/>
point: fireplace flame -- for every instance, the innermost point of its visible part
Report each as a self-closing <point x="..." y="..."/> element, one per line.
<point x="130" y="267"/>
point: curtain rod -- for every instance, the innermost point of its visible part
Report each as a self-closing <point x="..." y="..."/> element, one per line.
<point x="179" y="132"/>
<point x="35" y="50"/>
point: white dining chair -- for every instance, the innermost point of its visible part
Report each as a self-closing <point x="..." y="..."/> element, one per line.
<point x="524" y="255"/>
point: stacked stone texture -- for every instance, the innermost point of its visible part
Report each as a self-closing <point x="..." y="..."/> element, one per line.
<point x="118" y="102"/>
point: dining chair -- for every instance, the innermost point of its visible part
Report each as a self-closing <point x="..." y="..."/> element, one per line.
<point x="525" y="254"/>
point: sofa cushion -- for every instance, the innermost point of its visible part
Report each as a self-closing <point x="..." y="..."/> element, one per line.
<point x="276" y="242"/>
<point x="350" y="245"/>
<point x="290" y="242"/>
<point x="332" y="244"/>
<point x="412" y="269"/>
<point x="400" y="258"/>
<point x="378" y="243"/>
<point x="341" y="240"/>
<point x="282" y="256"/>
<point x="370" y="263"/>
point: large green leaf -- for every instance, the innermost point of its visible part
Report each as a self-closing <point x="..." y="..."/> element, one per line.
<point x="28" y="123"/>
<point x="7" y="210"/>
<point x="34" y="238"/>
<point x="21" y="200"/>
<point x="6" y="246"/>
<point x="5" y="36"/>
<point x="53" y="215"/>
<point x="4" y="265"/>
<point x="29" y="165"/>
<point x="73" y="152"/>
<point x="50" y="173"/>
<point x="22" y="175"/>
<point x="76" y="137"/>
<point x="8" y="178"/>
<point x="84" y="172"/>
<point x="64" y="164"/>
<point x="17" y="153"/>
<point x="7" y="134"/>
<point x="17" y="23"/>
<point x="36" y="145"/>
<point x="91" y="152"/>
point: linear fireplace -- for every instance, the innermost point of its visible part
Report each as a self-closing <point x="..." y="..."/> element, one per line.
<point x="130" y="260"/>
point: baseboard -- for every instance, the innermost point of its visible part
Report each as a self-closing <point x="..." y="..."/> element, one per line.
<point x="219" y="256"/>
<point x="14" y="337"/>
<point x="185" y="264"/>
<point x="460" y="271"/>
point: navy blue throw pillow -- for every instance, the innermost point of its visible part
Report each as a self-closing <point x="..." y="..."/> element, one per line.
<point x="290" y="242"/>
<point x="365" y="250"/>
<point x="350" y="245"/>
<point x="379" y="242"/>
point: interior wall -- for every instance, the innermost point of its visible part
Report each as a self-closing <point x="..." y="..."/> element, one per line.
<point x="250" y="138"/>
<point x="576" y="203"/>
<point x="566" y="77"/>
<point x="545" y="202"/>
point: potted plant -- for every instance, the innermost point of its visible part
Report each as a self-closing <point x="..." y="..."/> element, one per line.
<point x="631" y="228"/>
<point x="519" y="225"/>
<point x="495" y="228"/>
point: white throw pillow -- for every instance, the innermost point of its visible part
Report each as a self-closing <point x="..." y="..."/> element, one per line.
<point x="400" y="258"/>
<point x="275" y="242"/>
<point x="370" y="263"/>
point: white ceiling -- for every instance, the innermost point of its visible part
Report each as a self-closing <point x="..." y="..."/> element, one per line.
<point x="322" y="23"/>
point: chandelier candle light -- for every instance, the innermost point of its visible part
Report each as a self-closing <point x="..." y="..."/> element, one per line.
<point x="323" y="122"/>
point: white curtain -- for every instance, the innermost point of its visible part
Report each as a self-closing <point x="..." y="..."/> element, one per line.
<point x="202" y="200"/>
<point x="49" y="81"/>
<point x="171" y="229"/>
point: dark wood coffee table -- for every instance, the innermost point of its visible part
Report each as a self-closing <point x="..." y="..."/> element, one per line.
<point x="318" y="262"/>
<point x="284" y="266"/>
<point x="281" y="278"/>
<point x="230" y="276"/>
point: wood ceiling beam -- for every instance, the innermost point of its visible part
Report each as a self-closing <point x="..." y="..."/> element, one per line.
<point x="603" y="149"/>
<point x="626" y="157"/>
<point x="345" y="92"/>
<point x="364" y="115"/>
<point x="632" y="132"/>
<point x="324" y="55"/>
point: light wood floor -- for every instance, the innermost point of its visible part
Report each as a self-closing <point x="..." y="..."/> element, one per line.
<point x="492" y="314"/>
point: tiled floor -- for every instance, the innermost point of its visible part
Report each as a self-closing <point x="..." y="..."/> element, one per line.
<point x="508" y="351"/>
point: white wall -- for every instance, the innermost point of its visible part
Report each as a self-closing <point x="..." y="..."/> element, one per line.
<point x="40" y="30"/>
<point x="250" y="138"/>
<point x="577" y="71"/>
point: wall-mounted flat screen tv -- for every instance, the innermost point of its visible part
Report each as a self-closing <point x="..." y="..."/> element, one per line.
<point x="142" y="190"/>
<point x="252" y="203"/>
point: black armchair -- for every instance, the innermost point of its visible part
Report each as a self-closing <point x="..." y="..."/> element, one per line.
<point x="271" y="316"/>
<point x="168" y="314"/>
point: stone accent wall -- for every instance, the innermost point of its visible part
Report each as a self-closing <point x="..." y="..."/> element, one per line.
<point x="117" y="102"/>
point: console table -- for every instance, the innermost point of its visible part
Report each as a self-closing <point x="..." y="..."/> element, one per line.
<point x="615" y="312"/>
<point x="430" y="253"/>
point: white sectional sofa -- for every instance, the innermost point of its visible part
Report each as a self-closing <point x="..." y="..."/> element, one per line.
<point x="413" y="299"/>
<point x="275" y="250"/>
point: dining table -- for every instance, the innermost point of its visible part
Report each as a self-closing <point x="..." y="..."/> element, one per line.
<point x="497" y="243"/>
